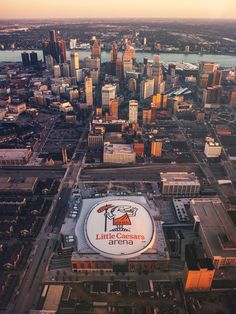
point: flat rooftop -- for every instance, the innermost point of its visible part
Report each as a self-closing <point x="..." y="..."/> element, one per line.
<point x="216" y="225"/>
<point x="13" y="184"/>
<point x="118" y="148"/>
<point x="176" y="177"/>
<point x="12" y="153"/>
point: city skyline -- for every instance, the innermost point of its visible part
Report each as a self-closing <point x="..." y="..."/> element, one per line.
<point x="212" y="9"/>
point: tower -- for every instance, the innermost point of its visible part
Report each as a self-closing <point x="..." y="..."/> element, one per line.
<point x="64" y="155"/>
<point x="74" y="62"/>
<point x="133" y="111"/>
<point x="89" y="91"/>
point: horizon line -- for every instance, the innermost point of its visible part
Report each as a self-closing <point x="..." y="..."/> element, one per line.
<point x="120" y="18"/>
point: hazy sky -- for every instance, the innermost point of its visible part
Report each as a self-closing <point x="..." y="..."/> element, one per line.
<point x="117" y="8"/>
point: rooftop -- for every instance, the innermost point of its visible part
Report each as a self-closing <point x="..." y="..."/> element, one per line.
<point x="118" y="148"/>
<point x="216" y="226"/>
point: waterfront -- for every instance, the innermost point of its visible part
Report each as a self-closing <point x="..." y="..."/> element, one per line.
<point x="223" y="60"/>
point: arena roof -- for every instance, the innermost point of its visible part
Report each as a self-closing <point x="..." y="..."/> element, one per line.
<point x="119" y="229"/>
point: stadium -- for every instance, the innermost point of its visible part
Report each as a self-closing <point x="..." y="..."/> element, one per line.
<point x="117" y="234"/>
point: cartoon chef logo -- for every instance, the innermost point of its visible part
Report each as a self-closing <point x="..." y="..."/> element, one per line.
<point x="119" y="215"/>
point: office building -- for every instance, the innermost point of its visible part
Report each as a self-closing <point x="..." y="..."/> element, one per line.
<point x="46" y="49"/>
<point x="156" y="148"/>
<point x="96" y="50"/>
<point x="57" y="71"/>
<point x="157" y="74"/>
<point x="114" y="53"/>
<point x="25" y="59"/>
<point x="127" y="66"/>
<point x="147" y="116"/>
<point x="92" y="63"/>
<point x="65" y="70"/>
<point x="119" y="70"/>
<point x="108" y="93"/>
<point x="114" y="108"/>
<point x="94" y="74"/>
<point x="74" y="62"/>
<point x="198" y="275"/>
<point x="11" y="156"/>
<point x="132" y="86"/>
<point x="212" y="148"/>
<point x="212" y="97"/>
<point x="33" y="58"/>
<point x="232" y="98"/>
<point x="179" y="183"/>
<point x="216" y="230"/>
<point x="89" y="91"/>
<point x="118" y="153"/>
<point x="146" y="88"/>
<point x="139" y="148"/>
<point x="133" y="111"/>
<point x="62" y="51"/>
<point x="95" y="139"/>
<point x="73" y="43"/>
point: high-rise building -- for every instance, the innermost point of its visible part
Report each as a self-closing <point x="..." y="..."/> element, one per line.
<point x="113" y="108"/>
<point x="119" y="72"/>
<point x="73" y="43"/>
<point x="53" y="46"/>
<point x="146" y="88"/>
<point x="33" y="58"/>
<point x="212" y="148"/>
<point x="25" y="59"/>
<point x="147" y="116"/>
<point x="74" y="62"/>
<point x="129" y="53"/>
<point x="156" y="148"/>
<point x="114" y="52"/>
<point x="133" y="111"/>
<point x="46" y="49"/>
<point x="157" y="74"/>
<point x="127" y="66"/>
<point x="65" y="70"/>
<point x="57" y="71"/>
<point x="212" y="96"/>
<point x="96" y="50"/>
<point x="92" y="63"/>
<point x="62" y="50"/>
<point x="232" y="98"/>
<point x="89" y="91"/>
<point x="132" y="85"/>
<point x="94" y="73"/>
<point x="52" y="36"/>
<point x="108" y="93"/>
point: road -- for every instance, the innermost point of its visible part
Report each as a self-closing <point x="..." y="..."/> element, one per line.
<point x="40" y="172"/>
<point x="30" y="283"/>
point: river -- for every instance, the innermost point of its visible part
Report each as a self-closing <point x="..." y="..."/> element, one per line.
<point x="223" y="60"/>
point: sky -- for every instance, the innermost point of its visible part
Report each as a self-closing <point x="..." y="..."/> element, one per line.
<point x="223" y="9"/>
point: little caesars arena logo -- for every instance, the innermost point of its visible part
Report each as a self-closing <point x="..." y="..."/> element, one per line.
<point x="117" y="224"/>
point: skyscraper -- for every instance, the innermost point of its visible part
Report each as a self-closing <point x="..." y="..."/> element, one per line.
<point x="133" y="111"/>
<point x="146" y="88"/>
<point x="25" y="59"/>
<point x="96" y="50"/>
<point x="74" y="62"/>
<point x="113" y="108"/>
<point x="61" y="44"/>
<point x="33" y="58"/>
<point x="89" y="91"/>
<point x="53" y="36"/>
<point x="157" y="74"/>
<point x="108" y="93"/>
<point x="53" y="46"/>
<point x="46" y="49"/>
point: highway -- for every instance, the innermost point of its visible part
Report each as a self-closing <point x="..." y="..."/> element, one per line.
<point x="150" y="172"/>
<point x="29" y="288"/>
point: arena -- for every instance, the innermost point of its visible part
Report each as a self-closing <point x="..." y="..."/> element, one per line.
<point x="117" y="234"/>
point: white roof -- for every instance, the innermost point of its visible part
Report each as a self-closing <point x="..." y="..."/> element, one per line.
<point x="126" y="231"/>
